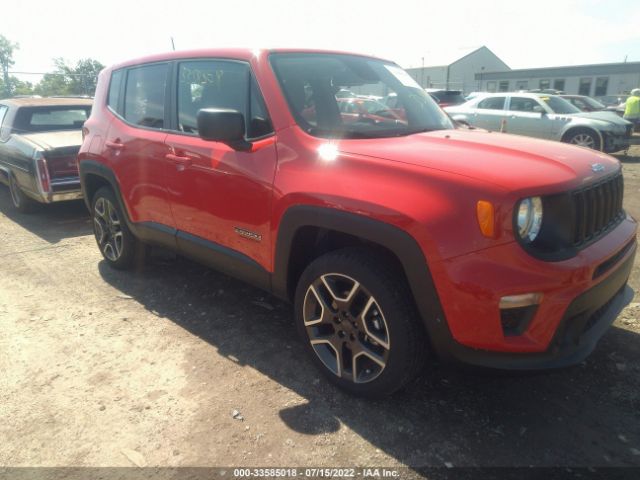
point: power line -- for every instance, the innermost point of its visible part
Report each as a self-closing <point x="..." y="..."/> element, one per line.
<point x="55" y="73"/>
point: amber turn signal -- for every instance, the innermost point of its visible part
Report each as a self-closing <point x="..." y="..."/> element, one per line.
<point x="486" y="218"/>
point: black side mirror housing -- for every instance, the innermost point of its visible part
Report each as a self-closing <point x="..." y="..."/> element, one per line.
<point x="222" y="125"/>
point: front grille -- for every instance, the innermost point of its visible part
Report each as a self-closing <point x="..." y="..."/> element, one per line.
<point x="597" y="209"/>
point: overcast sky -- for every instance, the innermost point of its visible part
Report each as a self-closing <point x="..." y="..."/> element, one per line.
<point x="524" y="34"/>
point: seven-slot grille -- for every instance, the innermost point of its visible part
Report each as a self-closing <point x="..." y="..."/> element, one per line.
<point x="597" y="209"/>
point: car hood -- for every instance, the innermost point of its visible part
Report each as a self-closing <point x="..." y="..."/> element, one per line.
<point x="513" y="162"/>
<point x="54" y="140"/>
<point x="603" y="116"/>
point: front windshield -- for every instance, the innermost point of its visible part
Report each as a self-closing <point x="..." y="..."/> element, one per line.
<point x="559" y="105"/>
<point x="345" y="96"/>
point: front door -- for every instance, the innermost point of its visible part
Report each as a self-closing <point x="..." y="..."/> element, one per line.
<point x="221" y="197"/>
<point x="526" y="116"/>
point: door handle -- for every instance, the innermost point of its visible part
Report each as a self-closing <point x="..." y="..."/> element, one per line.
<point x="116" y="145"/>
<point x="179" y="159"/>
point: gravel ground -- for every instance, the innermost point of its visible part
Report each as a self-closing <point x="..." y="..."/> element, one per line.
<point x="105" y="368"/>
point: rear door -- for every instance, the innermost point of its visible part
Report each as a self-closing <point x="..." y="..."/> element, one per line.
<point x="221" y="197"/>
<point x="135" y="147"/>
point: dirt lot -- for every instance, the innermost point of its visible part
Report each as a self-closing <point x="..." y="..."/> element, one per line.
<point x="104" y="368"/>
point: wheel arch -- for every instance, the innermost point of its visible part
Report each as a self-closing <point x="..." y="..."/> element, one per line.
<point x="572" y="129"/>
<point x="306" y="232"/>
<point x="95" y="175"/>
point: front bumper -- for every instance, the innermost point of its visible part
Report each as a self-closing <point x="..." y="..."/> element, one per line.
<point x="581" y="299"/>
<point x="616" y="143"/>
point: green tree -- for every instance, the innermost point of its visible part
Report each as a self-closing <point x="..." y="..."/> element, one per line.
<point x="6" y="61"/>
<point x="80" y="79"/>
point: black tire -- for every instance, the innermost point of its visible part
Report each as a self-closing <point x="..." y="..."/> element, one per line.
<point x="584" y="137"/>
<point x="19" y="200"/>
<point x="379" y="286"/>
<point x="119" y="247"/>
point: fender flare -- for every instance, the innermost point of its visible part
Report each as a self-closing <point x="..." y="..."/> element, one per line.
<point x="393" y="238"/>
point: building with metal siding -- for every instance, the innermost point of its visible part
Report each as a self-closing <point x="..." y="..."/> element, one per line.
<point x="482" y="70"/>
<point x="457" y="73"/>
<point x="595" y="80"/>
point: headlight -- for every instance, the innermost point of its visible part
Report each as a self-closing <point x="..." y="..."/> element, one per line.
<point x="529" y="218"/>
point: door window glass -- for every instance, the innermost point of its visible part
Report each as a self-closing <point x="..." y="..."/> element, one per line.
<point x="523" y="104"/>
<point x="210" y="84"/>
<point x="492" y="103"/>
<point x="144" y="95"/>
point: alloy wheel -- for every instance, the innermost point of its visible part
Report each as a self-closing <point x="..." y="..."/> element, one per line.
<point x="584" y="140"/>
<point x="107" y="229"/>
<point x="346" y="328"/>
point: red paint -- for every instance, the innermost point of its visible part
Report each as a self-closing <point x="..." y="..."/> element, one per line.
<point x="426" y="184"/>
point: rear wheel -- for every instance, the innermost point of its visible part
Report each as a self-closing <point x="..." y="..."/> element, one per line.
<point x="359" y="323"/>
<point x="20" y="201"/>
<point x="583" y="137"/>
<point x="117" y="244"/>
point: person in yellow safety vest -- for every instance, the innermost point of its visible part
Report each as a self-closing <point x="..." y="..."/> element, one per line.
<point x="632" y="107"/>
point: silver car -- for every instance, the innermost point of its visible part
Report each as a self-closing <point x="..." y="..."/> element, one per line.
<point x="545" y="116"/>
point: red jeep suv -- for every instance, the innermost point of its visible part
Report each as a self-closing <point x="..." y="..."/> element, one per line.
<point x="395" y="235"/>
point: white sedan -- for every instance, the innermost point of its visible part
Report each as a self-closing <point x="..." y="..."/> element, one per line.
<point x="544" y="116"/>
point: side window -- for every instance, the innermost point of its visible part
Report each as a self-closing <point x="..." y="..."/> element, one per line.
<point x="492" y="103"/>
<point x="523" y="104"/>
<point x="210" y="84"/>
<point x="144" y="95"/>
<point x="259" y="124"/>
<point x="113" y="100"/>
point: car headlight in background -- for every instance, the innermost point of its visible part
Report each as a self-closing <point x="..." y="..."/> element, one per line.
<point x="529" y="218"/>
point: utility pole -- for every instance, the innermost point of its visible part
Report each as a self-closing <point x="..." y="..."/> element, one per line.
<point x="173" y="45"/>
<point x="422" y="76"/>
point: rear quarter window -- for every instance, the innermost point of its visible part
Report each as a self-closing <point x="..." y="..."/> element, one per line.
<point x="115" y="87"/>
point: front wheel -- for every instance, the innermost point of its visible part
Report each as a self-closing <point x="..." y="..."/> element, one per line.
<point x="116" y="242"/>
<point x="355" y="315"/>
<point x="583" y="137"/>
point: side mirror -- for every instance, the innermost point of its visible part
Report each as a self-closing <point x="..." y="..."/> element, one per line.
<point x="540" y="110"/>
<point x="222" y="125"/>
<point x="461" y="121"/>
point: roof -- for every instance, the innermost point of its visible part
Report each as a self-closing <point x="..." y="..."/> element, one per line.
<point x="43" y="102"/>
<point x="563" y="71"/>
<point x="246" y="54"/>
<point x="519" y="94"/>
